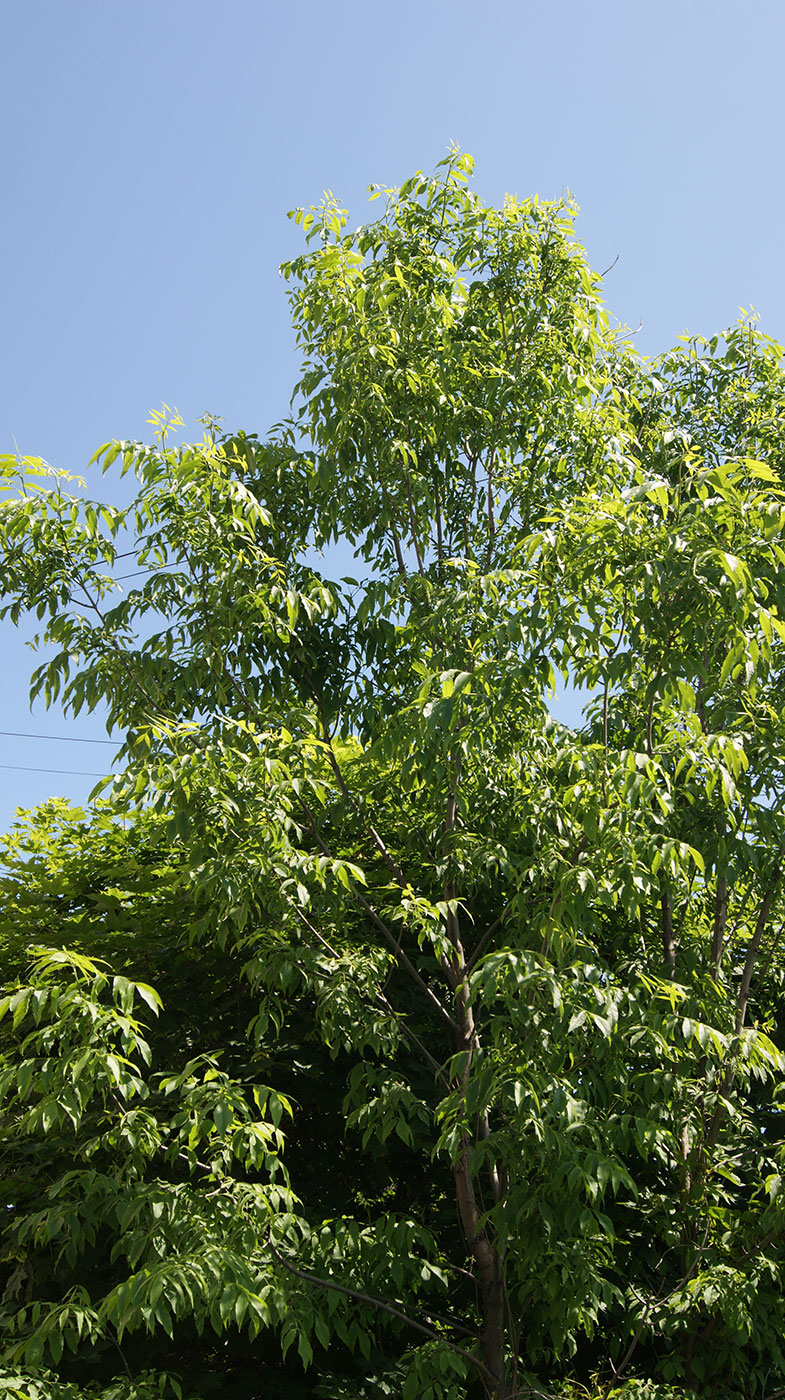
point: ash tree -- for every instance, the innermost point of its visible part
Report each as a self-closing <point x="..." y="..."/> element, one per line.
<point x="473" y="1087"/>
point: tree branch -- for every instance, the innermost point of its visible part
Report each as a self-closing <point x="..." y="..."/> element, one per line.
<point x="380" y="1305"/>
<point x="754" y="947"/>
<point x="389" y="937"/>
<point x="720" y="921"/>
<point x="668" y="945"/>
<point x="743" y="997"/>
<point x="381" y="998"/>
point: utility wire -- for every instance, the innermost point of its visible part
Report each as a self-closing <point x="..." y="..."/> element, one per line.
<point x="60" y="738"/>
<point x="72" y="772"/>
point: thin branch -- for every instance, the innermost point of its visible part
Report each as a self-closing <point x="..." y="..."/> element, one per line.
<point x="396" y="542"/>
<point x="720" y="921"/>
<point x="489" y="932"/>
<point x="115" y="1343"/>
<point x="605" y="716"/>
<point x="381" y="998"/>
<point x="93" y="605"/>
<point x="391" y="864"/>
<point x="407" y="963"/>
<point x="770" y="954"/>
<point x="438" y="512"/>
<point x="381" y="1306"/>
<point x="389" y="937"/>
<point x="648" y="1309"/>
<point x="650" y="717"/>
<point x="489" y="506"/>
<point x="199" y="582"/>
<point x="668" y="945"/>
<point x="754" y="947"/>
<point x="314" y="931"/>
<point x="743" y="997"/>
<point x="412" y="526"/>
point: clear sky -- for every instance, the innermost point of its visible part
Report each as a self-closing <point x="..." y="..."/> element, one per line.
<point x="151" y="149"/>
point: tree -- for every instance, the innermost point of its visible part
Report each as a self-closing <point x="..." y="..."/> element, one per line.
<point x="540" y="967"/>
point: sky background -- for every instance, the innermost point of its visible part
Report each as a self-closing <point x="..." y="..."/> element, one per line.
<point x="151" y="149"/>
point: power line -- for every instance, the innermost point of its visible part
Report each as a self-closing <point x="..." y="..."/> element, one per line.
<point x="72" y="772"/>
<point x="60" y="739"/>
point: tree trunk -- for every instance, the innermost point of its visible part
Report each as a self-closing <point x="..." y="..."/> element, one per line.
<point x="490" y="1266"/>
<point x="493" y="1334"/>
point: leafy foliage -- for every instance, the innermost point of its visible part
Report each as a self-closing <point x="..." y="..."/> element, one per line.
<point x="468" y="1078"/>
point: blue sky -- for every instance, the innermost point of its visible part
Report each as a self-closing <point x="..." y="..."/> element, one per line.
<point x="151" y="151"/>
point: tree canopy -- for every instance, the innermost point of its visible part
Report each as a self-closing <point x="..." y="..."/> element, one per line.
<point x="378" y="1034"/>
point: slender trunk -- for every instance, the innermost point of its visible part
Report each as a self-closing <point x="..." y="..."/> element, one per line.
<point x="668" y="944"/>
<point x="490" y="1267"/>
<point x="493" y="1332"/>
<point x="487" y="1255"/>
